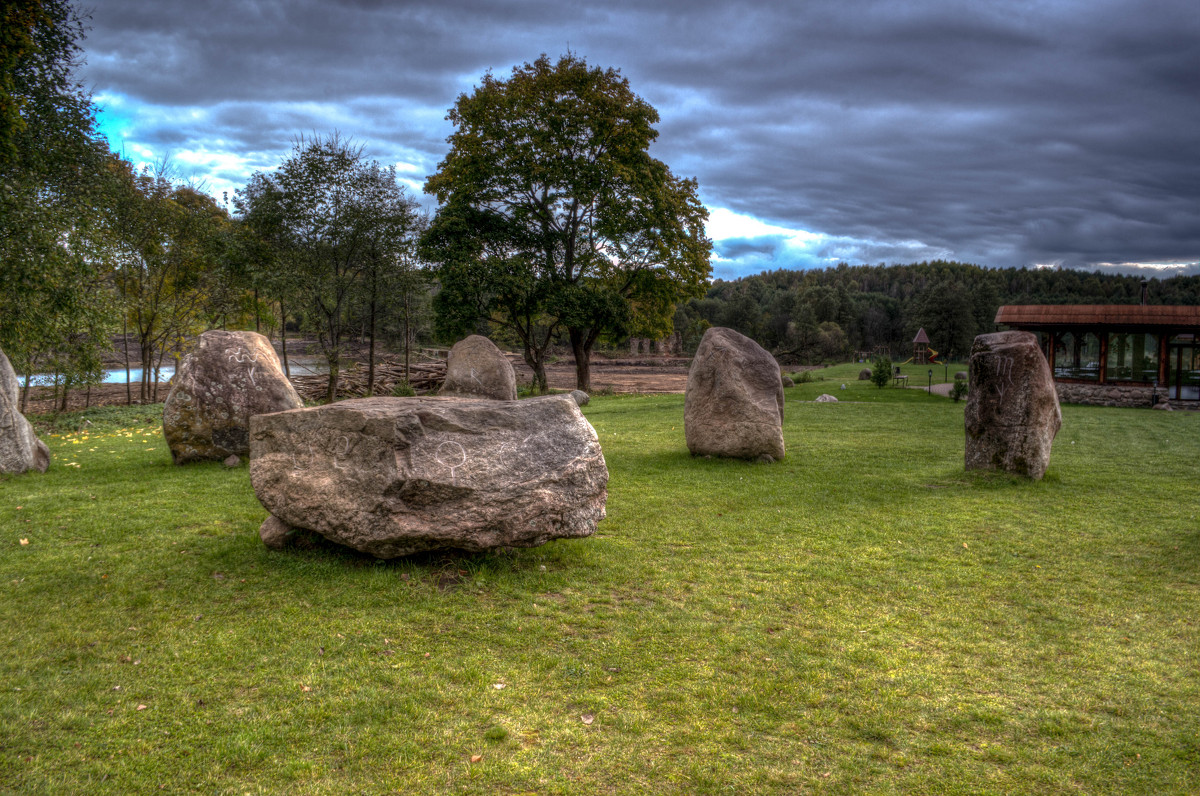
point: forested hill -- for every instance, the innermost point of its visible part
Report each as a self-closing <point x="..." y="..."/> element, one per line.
<point x="813" y="315"/>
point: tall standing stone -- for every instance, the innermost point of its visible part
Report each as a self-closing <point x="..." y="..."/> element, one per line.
<point x="476" y="368"/>
<point x="230" y="377"/>
<point x="734" y="401"/>
<point x="20" y="448"/>
<point x="1012" y="413"/>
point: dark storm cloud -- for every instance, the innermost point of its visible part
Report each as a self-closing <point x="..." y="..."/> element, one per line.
<point x="1002" y="133"/>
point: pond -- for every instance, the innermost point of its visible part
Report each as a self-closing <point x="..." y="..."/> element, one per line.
<point x="299" y="366"/>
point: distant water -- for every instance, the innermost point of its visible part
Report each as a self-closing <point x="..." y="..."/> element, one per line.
<point x="117" y="376"/>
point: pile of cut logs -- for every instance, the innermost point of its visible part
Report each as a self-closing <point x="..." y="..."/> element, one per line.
<point x="424" y="376"/>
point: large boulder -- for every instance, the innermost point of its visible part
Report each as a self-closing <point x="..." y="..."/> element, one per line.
<point x="229" y="378"/>
<point x="864" y="374"/>
<point x="734" y="401"/>
<point x="476" y="368"/>
<point x="20" y="448"/>
<point x="394" y="476"/>
<point x="1012" y="411"/>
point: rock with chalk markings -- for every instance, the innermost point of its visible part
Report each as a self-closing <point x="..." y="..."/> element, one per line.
<point x="395" y="476"/>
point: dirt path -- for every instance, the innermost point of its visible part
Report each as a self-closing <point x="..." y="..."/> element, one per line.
<point x="647" y="375"/>
<point x="644" y="375"/>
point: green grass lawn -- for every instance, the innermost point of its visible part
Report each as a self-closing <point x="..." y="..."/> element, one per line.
<point x="860" y="617"/>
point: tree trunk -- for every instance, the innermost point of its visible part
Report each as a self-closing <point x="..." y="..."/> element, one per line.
<point x="583" y="353"/>
<point x="62" y="407"/>
<point x="144" y="387"/>
<point x="283" y="338"/>
<point x="25" y="389"/>
<point x="371" y="353"/>
<point x="331" y="392"/>
<point x="257" y="325"/>
<point x="537" y="363"/>
<point x="407" y="343"/>
<point x="125" y="338"/>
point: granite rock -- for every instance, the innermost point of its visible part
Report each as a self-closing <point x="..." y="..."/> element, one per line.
<point x="395" y="476"/>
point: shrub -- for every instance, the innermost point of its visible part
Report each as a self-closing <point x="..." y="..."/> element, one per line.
<point x="881" y="372"/>
<point x="403" y="390"/>
<point x="958" y="391"/>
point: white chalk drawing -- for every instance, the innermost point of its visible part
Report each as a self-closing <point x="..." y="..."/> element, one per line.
<point x="241" y="357"/>
<point x="344" y="442"/>
<point x="297" y="466"/>
<point x="507" y="455"/>
<point x="451" y="455"/>
<point x="1004" y="377"/>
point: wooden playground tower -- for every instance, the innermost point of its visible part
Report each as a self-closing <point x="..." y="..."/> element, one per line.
<point x="922" y="353"/>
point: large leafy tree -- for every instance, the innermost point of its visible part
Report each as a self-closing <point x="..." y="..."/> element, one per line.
<point x="555" y="216"/>
<point x="53" y="306"/>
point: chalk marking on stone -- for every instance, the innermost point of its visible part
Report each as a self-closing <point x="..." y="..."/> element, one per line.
<point x="297" y="466"/>
<point x="1004" y="367"/>
<point x="452" y="467"/>
<point x="242" y="357"/>
<point x="345" y="451"/>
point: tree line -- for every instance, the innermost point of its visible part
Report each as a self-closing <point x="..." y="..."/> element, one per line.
<point x="554" y="227"/>
<point x="833" y="313"/>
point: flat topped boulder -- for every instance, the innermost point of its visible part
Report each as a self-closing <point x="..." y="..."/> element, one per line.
<point x="229" y="378"/>
<point x="20" y="448"/>
<point x="1012" y="413"/>
<point x="734" y="401"/>
<point x="395" y="476"/>
<point x="476" y="368"/>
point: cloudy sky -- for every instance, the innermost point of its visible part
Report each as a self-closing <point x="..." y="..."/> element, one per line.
<point x="999" y="132"/>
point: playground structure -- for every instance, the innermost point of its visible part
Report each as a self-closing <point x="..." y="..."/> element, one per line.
<point x="922" y="353"/>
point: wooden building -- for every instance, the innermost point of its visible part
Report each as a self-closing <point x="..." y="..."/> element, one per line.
<point x="1119" y="354"/>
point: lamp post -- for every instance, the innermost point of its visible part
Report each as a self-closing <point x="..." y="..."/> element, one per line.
<point x="930" y="385"/>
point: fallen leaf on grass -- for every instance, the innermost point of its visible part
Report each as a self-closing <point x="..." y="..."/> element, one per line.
<point x="498" y="686"/>
<point x="476" y="758"/>
<point x="587" y="718"/>
<point x="305" y="688"/>
<point x="141" y="707"/>
<point x="24" y="541"/>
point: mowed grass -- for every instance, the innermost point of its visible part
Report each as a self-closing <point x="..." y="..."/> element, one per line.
<point x="862" y="617"/>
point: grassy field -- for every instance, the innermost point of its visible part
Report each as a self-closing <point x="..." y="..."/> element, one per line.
<point x="860" y="617"/>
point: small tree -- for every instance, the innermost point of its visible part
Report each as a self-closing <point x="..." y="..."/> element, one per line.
<point x="881" y="372"/>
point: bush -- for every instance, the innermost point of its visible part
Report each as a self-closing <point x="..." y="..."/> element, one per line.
<point x="403" y="390"/>
<point x="958" y="391"/>
<point x="881" y="372"/>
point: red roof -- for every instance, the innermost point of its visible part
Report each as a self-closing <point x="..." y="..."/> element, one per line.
<point x="1098" y="315"/>
<point x="921" y="336"/>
